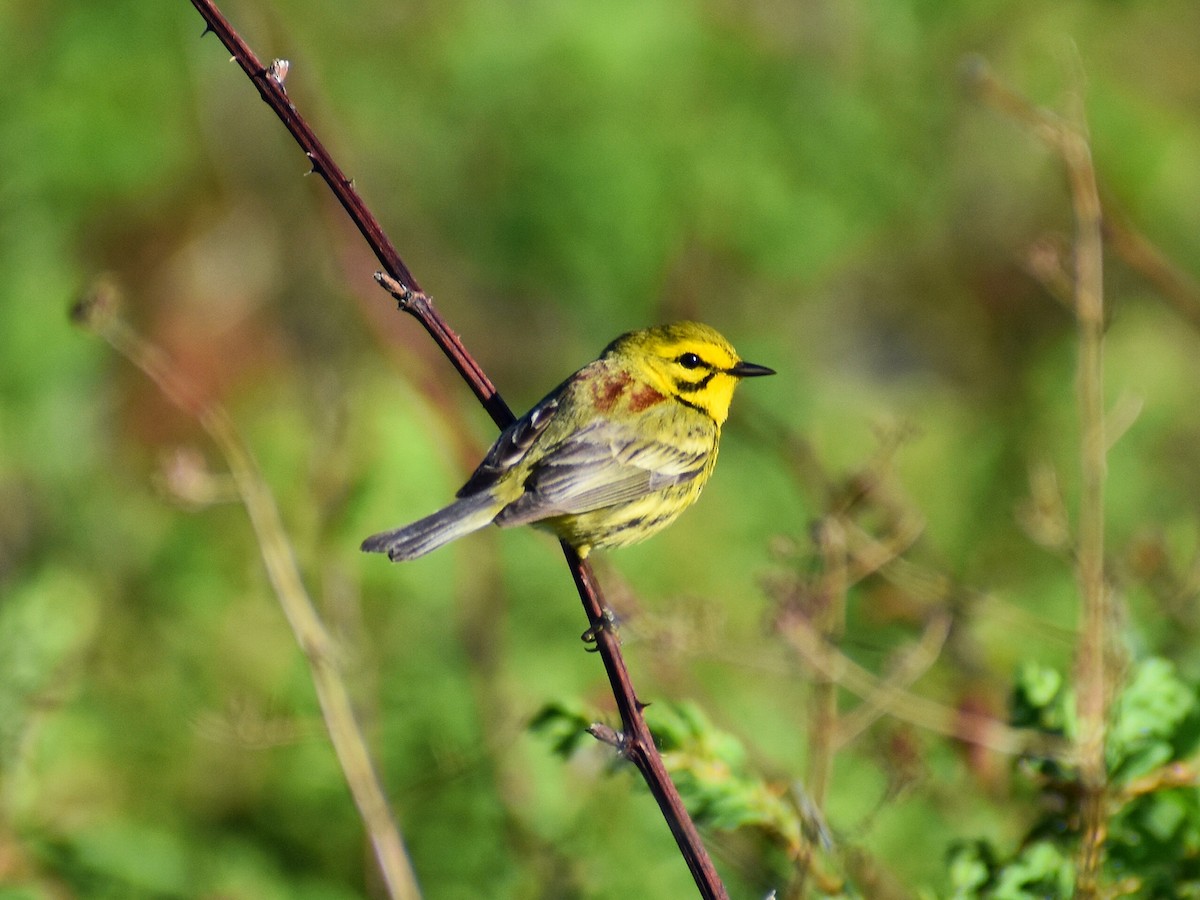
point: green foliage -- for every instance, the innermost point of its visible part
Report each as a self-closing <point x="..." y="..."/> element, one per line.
<point x="710" y="769"/>
<point x="44" y="625"/>
<point x="722" y="791"/>
<point x="808" y="178"/>
<point x="1040" y="870"/>
<point x="1043" y="699"/>
<point x="1154" y="722"/>
<point x="564" y="726"/>
<point x="1153" y="843"/>
<point x="708" y="766"/>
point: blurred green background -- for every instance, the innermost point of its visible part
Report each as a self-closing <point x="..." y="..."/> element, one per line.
<point x="810" y="178"/>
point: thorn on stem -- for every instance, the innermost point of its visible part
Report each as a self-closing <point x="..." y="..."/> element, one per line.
<point x="278" y="72"/>
<point x="606" y="735"/>
<point x="405" y="296"/>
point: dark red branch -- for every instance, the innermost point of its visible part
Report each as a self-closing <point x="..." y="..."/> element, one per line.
<point x="270" y="87"/>
<point x="635" y="742"/>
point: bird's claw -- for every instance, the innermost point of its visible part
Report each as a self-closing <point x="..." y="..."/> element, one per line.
<point x="606" y="621"/>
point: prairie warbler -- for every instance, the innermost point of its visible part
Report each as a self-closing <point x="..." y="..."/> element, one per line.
<point x="609" y="457"/>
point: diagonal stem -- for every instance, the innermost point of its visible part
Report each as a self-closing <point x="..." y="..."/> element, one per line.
<point x="337" y="708"/>
<point x="269" y="82"/>
<point x="636" y="742"/>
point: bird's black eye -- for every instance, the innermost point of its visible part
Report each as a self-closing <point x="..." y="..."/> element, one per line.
<point x="689" y="360"/>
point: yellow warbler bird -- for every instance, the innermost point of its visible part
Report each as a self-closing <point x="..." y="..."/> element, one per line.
<point x="609" y="457"/>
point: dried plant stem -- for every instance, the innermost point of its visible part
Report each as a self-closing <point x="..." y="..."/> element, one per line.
<point x="1093" y="690"/>
<point x="1139" y="253"/>
<point x="336" y="707"/>
<point x="635" y="741"/>
<point x="1070" y="140"/>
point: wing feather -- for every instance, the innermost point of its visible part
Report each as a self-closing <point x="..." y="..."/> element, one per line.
<point x="512" y="444"/>
<point x="603" y="464"/>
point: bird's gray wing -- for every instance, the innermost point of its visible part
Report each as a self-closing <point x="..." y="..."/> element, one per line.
<point x="512" y="445"/>
<point x="605" y="463"/>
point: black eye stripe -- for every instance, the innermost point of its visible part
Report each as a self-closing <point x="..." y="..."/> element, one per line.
<point x="690" y="387"/>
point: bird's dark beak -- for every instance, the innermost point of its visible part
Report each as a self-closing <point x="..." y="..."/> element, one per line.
<point x="749" y="370"/>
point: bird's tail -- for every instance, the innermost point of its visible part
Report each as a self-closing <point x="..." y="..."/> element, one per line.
<point x="459" y="518"/>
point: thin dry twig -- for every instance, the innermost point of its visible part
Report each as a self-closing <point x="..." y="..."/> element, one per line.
<point x="892" y="699"/>
<point x="635" y="741"/>
<point x="830" y="620"/>
<point x="1170" y="777"/>
<point x="1140" y="253"/>
<point x="912" y="664"/>
<point x="97" y="313"/>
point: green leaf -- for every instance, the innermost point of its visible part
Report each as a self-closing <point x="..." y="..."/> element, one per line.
<point x="970" y="868"/>
<point x="1148" y="713"/>
<point x="1043" y="700"/>
<point x="709" y="768"/>
<point x="564" y="725"/>
<point x="42" y="624"/>
<point x="1041" y="870"/>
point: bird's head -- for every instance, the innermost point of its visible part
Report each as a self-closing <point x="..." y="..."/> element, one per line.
<point x="688" y="361"/>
